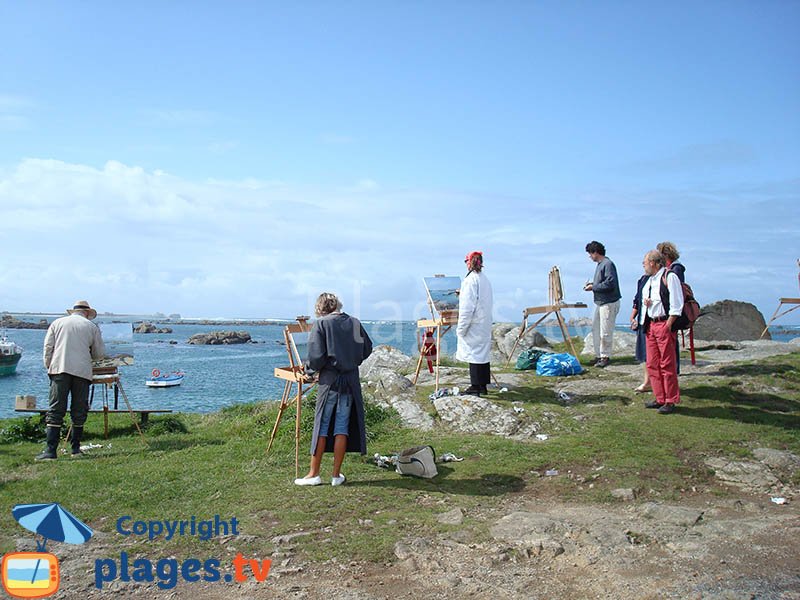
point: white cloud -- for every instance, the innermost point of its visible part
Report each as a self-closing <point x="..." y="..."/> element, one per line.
<point x="130" y="240"/>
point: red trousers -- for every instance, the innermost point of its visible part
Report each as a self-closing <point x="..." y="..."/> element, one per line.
<point x="662" y="364"/>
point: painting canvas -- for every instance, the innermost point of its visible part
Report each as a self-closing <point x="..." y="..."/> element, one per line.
<point x="118" y="340"/>
<point x="443" y="292"/>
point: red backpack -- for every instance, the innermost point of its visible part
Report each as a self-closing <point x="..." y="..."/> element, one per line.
<point x="691" y="307"/>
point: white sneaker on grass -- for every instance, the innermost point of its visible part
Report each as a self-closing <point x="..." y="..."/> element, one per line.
<point x="308" y="480"/>
<point x="338" y="480"/>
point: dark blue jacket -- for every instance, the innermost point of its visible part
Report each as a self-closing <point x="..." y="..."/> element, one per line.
<point x="605" y="284"/>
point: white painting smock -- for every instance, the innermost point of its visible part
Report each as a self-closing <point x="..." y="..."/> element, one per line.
<point x="474" y="328"/>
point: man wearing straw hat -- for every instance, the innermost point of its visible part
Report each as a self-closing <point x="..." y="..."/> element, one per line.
<point x="69" y="347"/>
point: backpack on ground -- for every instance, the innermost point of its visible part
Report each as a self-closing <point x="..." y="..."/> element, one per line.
<point x="691" y="307"/>
<point x="419" y="461"/>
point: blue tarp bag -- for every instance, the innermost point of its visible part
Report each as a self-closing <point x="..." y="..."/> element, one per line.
<point x="557" y="365"/>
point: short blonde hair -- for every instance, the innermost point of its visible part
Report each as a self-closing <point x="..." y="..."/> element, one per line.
<point x="669" y="251"/>
<point x="326" y="304"/>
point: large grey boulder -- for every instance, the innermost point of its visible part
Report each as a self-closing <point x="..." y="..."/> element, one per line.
<point x="505" y="335"/>
<point x="624" y="344"/>
<point x="216" y="338"/>
<point x="730" y="320"/>
<point x="384" y="358"/>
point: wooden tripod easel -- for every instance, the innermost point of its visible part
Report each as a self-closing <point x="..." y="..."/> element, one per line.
<point x="109" y="377"/>
<point x="293" y="375"/>
<point x="441" y="324"/>
<point x="794" y="302"/>
<point x="555" y="299"/>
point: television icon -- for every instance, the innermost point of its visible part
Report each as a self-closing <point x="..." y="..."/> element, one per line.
<point x="30" y="574"/>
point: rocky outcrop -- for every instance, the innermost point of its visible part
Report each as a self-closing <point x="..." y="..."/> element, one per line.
<point x="385" y="385"/>
<point x="505" y="335"/>
<point x="471" y="414"/>
<point x="730" y="320"/>
<point x="146" y="327"/>
<point x="216" y="338"/>
<point x="624" y="344"/>
<point x="772" y="470"/>
<point x="9" y="322"/>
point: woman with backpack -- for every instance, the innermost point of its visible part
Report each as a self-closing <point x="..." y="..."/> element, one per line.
<point x="671" y="256"/>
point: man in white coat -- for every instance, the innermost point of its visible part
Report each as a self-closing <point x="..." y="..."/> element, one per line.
<point x="474" y="330"/>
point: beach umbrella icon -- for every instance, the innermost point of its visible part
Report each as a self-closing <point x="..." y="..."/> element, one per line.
<point x="51" y="522"/>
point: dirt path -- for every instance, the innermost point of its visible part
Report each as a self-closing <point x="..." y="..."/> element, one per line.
<point x="702" y="547"/>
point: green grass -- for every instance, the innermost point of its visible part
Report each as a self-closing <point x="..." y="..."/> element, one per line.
<point x="216" y="464"/>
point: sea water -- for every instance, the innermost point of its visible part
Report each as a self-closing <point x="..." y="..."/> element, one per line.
<point x="216" y="376"/>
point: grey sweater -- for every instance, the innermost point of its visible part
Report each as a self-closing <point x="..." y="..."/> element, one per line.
<point x="605" y="285"/>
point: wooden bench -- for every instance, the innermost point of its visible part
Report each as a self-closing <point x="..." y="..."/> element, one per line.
<point x="144" y="413"/>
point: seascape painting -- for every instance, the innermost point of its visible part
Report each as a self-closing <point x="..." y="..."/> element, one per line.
<point x="118" y="341"/>
<point x="443" y="292"/>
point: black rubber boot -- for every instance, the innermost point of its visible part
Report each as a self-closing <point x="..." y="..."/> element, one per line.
<point x="77" y="434"/>
<point x="49" y="453"/>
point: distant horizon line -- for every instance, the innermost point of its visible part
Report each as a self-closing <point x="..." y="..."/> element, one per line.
<point x="163" y="317"/>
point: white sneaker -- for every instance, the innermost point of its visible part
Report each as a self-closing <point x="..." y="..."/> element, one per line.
<point x="308" y="480"/>
<point x="338" y="480"/>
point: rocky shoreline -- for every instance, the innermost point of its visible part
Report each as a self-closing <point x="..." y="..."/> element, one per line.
<point x="9" y="322"/>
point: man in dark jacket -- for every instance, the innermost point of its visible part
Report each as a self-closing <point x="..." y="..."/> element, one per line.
<point x="605" y="287"/>
<point x="337" y="345"/>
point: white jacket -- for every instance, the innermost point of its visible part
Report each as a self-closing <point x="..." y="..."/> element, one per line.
<point x="474" y="328"/>
<point x="70" y="345"/>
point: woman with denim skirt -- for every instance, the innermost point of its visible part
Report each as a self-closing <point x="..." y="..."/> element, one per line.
<point x="337" y="345"/>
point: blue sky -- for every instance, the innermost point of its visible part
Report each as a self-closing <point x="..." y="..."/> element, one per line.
<point x="235" y="159"/>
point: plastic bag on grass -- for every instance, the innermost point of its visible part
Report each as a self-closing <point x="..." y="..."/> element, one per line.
<point x="557" y="365"/>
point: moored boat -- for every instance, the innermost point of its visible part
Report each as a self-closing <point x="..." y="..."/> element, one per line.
<point x="159" y="379"/>
<point x="10" y="353"/>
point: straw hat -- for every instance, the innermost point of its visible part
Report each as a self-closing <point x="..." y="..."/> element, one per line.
<point x="83" y="305"/>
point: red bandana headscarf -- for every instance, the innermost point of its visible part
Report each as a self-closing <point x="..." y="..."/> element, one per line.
<point x="473" y="254"/>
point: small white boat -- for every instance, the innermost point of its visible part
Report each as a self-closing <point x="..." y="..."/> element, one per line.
<point x="159" y="379"/>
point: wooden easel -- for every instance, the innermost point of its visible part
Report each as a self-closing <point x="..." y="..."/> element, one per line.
<point x="109" y="378"/>
<point x="442" y="324"/>
<point x="794" y="302"/>
<point x="293" y="375"/>
<point x="555" y="299"/>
